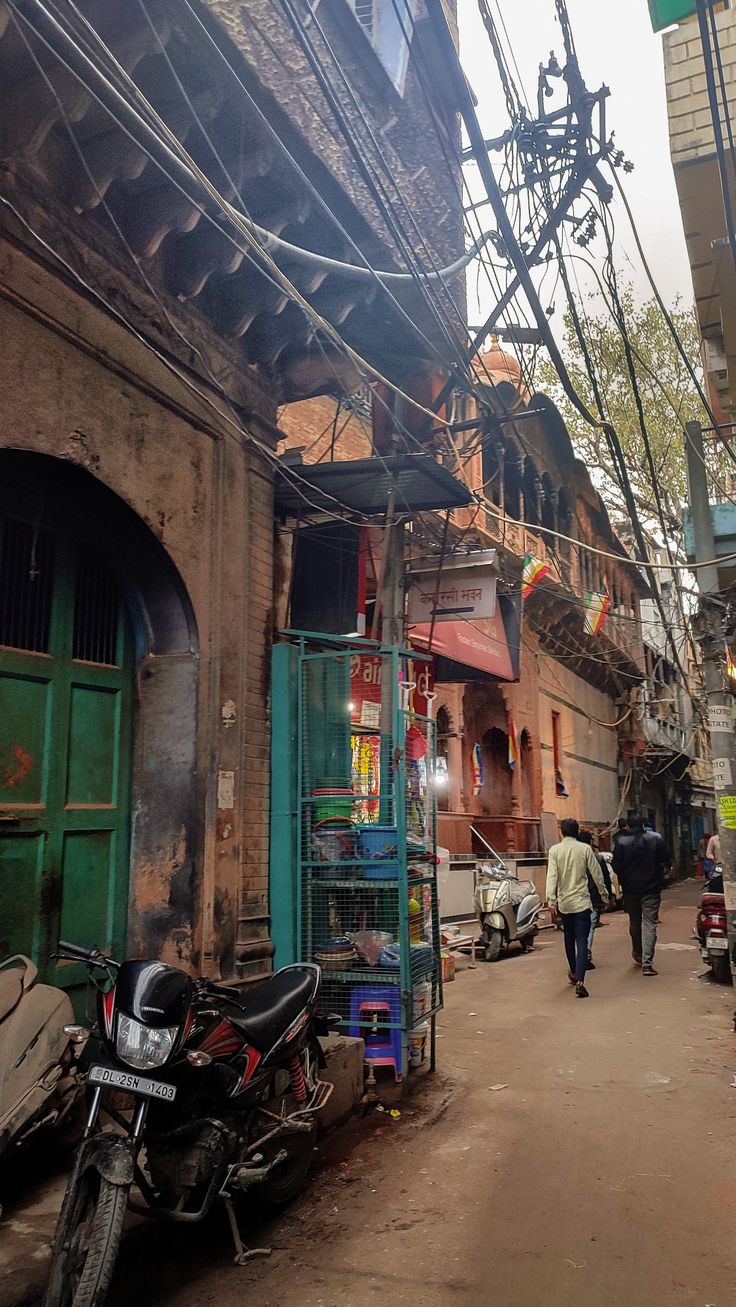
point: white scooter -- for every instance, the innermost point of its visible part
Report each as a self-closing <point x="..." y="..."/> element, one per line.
<point x="507" y="909"/>
<point x="38" y="1084"/>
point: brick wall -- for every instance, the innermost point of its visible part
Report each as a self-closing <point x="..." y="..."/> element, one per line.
<point x="690" y="123"/>
<point x="324" y="430"/>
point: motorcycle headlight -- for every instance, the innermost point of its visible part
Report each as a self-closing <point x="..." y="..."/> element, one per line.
<point x="143" y="1047"/>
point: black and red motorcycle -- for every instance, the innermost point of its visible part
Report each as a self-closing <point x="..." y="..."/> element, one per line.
<point x="196" y="1092"/>
<point x="711" y="925"/>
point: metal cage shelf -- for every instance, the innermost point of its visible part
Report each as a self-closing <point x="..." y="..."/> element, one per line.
<point x="364" y="899"/>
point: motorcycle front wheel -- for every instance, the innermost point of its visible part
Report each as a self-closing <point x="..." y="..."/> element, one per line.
<point x="492" y="950"/>
<point x="87" y="1241"/>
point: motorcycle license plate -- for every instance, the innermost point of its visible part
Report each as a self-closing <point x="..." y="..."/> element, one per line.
<point x="106" y="1075"/>
<point x="717" y="941"/>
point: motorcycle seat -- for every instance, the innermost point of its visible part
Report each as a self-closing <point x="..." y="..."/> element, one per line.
<point x="264" y="1014"/>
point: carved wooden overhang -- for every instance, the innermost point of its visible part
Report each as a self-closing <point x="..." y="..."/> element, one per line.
<point x="612" y="661"/>
<point x="83" y="181"/>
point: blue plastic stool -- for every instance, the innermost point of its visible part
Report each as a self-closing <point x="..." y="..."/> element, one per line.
<point x="385" y="1050"/>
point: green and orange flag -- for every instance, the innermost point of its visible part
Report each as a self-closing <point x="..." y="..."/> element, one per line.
<point x="596" y="611"/>
<point x="532" y="572"/>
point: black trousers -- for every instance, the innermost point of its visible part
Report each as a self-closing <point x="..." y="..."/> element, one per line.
<point x="576" y="926"/>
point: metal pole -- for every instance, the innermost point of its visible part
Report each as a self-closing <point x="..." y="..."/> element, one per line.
<point x="720" y="714"/>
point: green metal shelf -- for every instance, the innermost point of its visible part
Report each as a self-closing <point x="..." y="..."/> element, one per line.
<point x="344" y="901"/>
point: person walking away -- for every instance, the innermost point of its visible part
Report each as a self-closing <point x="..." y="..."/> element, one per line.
<point x="568" y="865"/>
<point x="640" y="861"/>
<point x="712" y="855"/>
<point x="621" y="829"/>
<point x="597" y="904"/>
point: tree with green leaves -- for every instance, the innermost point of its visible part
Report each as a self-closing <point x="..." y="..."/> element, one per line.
<point x="669" y="400"/>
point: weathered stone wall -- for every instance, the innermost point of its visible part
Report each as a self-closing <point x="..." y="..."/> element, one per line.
<point x="78" y="388"/>
<point x="589" y="762"/>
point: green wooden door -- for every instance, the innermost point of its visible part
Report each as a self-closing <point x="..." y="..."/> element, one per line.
<point x="65" y="739"/>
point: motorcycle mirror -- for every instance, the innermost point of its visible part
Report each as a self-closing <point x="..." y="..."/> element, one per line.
<point x="76" y="1034"/>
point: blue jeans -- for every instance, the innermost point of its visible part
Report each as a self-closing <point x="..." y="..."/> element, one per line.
<point x="576" y="926"/>
<point x="595" y="917"/>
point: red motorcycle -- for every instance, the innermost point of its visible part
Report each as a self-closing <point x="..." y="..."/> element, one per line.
<point x="207" y="1092"/>
<point x="712" y="928"/>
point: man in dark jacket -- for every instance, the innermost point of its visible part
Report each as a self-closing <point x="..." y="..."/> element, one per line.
<point x="640" y="860"/>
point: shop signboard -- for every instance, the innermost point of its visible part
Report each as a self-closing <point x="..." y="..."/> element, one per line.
<point x="365" y="688"/>
<point x="464" y="589"/>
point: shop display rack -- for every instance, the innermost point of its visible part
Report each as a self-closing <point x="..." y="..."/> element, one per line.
<point x="366" y="894"/>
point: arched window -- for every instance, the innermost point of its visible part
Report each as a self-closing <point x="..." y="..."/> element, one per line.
<point x="512" y="482"/>
<point x="492" y="456"/>
<point x="531" y="491"/>
<point x="564" y="521"/>
<point x="549" y="504"/>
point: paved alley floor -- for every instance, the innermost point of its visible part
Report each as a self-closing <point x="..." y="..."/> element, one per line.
<point x="568" y="1152"/>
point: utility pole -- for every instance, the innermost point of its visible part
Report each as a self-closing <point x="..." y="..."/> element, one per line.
<point x="720" y="714"/>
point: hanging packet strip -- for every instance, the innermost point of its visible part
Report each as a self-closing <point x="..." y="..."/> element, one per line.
<point x="476" y="767"/>
<point x="532" y="572"/>
<point x="596" y="611"/>
<point x="513" y="744"/>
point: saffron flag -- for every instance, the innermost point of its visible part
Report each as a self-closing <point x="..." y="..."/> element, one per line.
<point x="513" y="745"/>
<point x="596" y="610"/>
<point x="476" y="768"/>
<point x="533" y="571"/>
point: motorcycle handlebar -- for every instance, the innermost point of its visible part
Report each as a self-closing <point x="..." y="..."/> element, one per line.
<point x="92" y="956"/>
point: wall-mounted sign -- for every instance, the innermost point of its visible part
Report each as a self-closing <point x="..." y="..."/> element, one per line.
<point x="727" y="809"/>
<point x="722" y="773"/>
<point x="465" y="588"/>
<point x="720" y="717"/>
<point x="665" y="13"/>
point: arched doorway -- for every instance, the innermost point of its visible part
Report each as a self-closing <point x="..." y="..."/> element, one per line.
<point x="497" y="773"/>
<point x="66" y="682"/>
<point x="87" y="598"/>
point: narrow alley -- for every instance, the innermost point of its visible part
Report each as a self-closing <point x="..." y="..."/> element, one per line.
<point x="568" y="1152"/>
<point x="601" y="1174"/>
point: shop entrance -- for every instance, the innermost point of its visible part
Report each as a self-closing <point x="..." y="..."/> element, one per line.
<point x="66" y="677"/>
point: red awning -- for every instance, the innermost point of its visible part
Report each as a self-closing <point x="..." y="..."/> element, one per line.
<point x="481" y="644"/>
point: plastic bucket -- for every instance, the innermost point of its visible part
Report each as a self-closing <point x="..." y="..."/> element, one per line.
<point x="379" y="843"/>
<point x="328" y="804"/>
<point x="335" y="840"/>
<point x="421" y="999"/>
<point x="417" y="1046"/>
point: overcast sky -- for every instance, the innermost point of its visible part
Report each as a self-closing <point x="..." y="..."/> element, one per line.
<point x="615" y="45"/>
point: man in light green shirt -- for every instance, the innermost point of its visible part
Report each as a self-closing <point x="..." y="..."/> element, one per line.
<point x="568" y="865"/>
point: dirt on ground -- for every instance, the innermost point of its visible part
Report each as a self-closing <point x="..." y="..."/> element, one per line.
<point x="568" y="1152"/>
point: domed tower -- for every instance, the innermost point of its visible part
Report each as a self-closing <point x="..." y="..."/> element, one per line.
<point x="502" y="371"/>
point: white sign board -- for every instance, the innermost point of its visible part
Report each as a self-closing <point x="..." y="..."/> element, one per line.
<point x="720" y="717"/>
<point x="722" y="773"/>
<point x="463" y="595"/>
